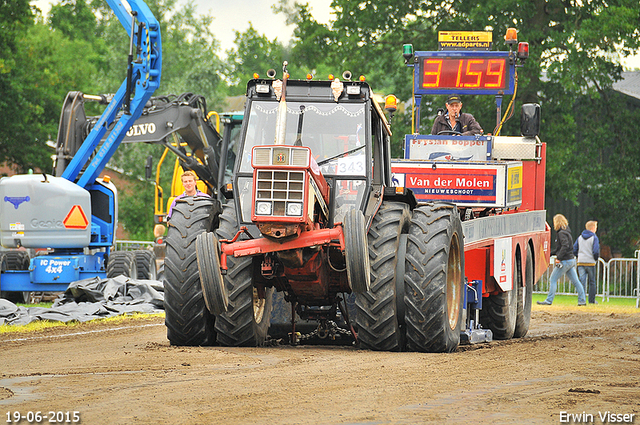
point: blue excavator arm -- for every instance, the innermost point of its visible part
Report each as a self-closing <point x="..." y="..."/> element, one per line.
<point x="143" y="78"/>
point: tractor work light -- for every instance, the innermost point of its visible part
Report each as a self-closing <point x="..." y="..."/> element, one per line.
<point x="294" y="209"/>
<point x="353" y="90"/>
<point x="263" y="208"/>
<point x="262" y="88"/>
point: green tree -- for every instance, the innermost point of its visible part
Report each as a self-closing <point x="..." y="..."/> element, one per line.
<point x="22" y="131"/>
<point x="74" y="19"/>
<point x="254" y="53"/>
<point x="310" y="48"/>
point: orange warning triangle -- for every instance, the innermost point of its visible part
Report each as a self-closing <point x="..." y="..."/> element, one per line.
<point x="76" y="219"/>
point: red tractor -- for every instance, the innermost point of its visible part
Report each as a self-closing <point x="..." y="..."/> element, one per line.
<point x="314" y="215"/>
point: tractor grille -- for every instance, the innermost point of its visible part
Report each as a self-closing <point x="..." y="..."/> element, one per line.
<point x="280" y="188"/>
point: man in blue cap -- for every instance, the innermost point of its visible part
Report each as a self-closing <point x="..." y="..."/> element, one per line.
<point x="454" y="121"/>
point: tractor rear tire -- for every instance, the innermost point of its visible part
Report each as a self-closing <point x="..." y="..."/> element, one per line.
<point x="434" y="279"/>
<point x="122" y="263"/>
<point x="499" y="311"/>
<point x="16" y="260"/>
<point x="247" y="319"/>
<point x="525" y="294"/>
<point x="187" y="319"/>
<point x="377" y="313"/>
<point x="356" y="252"/>
<point x="146" y="264"/>
<point x="208" y="255"/>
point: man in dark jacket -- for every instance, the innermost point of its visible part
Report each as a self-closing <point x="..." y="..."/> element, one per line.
<point x="454" y="120"/>
<point x="587" y="249"/>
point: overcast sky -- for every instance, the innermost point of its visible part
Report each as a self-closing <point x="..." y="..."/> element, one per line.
<point x="235" y="15"/>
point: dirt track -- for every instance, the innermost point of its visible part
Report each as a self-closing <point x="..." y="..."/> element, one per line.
<point x="570" y="362"/>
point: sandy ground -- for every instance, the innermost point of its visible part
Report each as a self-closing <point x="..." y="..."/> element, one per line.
<point x="569" y="364"/>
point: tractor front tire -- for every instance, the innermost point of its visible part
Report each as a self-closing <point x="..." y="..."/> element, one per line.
<point x="247" y="319"/>
<point x="377" y="311"/>
<point x="434" y="279"/>
<point x="215" y="296"/>
<point x="356" y="252"/>
<point x="187" y="319"/>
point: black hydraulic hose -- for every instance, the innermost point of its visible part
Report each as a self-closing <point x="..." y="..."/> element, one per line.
<point x="127" y="96"/>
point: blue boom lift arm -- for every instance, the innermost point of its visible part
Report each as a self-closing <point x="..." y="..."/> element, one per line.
<point x="143" y="78"/>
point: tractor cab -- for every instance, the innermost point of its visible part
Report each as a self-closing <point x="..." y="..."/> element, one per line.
<point x="331" y="128"/>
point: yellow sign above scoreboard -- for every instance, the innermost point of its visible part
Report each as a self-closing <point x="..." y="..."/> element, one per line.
<point x="465" y="40"/>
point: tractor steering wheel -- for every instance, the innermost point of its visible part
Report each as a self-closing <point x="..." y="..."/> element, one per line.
<point x="456" y="133"/>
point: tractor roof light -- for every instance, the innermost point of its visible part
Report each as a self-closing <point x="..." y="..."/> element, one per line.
<point x="309" y="76"/>
<point x="407" y="52"/>
<point x="523" y="51"/>
<point x="511" y="37"/>
<point x="362" y="79"/>
<point x="256" y="76"/>
<point x="331" y="77"/>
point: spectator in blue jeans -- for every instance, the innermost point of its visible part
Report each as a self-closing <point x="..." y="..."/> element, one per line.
<point x="587" y="250"/>
<point x="565" y="261"/>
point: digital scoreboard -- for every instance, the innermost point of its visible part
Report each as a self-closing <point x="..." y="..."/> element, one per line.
<point x="463" y="73"/>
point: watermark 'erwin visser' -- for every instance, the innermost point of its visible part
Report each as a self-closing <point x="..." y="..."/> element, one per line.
<point x="606" y="417"/>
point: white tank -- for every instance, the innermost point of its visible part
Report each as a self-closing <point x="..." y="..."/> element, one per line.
<point x="42" y="211"/>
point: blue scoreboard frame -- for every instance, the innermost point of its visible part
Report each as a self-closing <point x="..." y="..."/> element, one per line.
<point x="471" y="65"/>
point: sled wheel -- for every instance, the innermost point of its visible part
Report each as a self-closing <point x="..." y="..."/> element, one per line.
<point x="499" y="311"/>
<point x="377" y="309"/>
<point x="215" y="297"/>
<point x="523" y="315"/>
<point x="146" y="264"/>
<point x="434" y="281"/>
<point x="122" y="263"/>
<point x="187" y="319"/>
<point x="247" y="319"/>
<point x="356" y="251"/>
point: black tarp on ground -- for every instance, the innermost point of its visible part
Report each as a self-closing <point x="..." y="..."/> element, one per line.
<point x="90" y="299"/>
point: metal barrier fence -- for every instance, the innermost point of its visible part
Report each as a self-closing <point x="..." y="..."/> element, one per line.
<point x="618" y="277"/>
<point x="133" y="245"/>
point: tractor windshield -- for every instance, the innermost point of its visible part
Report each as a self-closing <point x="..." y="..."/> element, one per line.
<point x="334" y="132"/>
